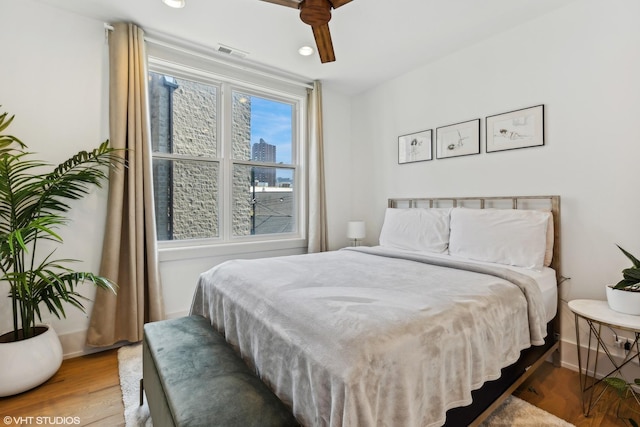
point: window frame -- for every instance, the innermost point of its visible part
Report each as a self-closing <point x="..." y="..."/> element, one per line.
<point x="226" y="86"/>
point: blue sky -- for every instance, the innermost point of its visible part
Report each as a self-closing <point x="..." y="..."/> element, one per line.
<point x="271" y="121"/>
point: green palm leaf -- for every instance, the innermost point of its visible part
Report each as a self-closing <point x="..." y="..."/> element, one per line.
<point x="33" y="205"/>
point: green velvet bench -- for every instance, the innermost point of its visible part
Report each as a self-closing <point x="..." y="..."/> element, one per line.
<point x="192" y="377"/>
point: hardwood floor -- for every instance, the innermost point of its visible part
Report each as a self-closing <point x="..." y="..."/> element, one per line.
<point x="87" y="390"/>
<point x="557" y="390"/>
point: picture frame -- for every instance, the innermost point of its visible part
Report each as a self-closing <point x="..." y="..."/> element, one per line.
<point x="515" y="129"/>
<point x="415" y="147"/>
<point x="459" y="139"/>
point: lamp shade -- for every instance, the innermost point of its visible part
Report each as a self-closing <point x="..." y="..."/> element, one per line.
<point x="356" y="230"/>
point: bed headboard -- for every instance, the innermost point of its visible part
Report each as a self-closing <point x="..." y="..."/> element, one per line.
<point x="551" y="203"/>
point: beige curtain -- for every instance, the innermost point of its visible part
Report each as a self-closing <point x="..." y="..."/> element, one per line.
<point x="318" y="236"/>
<point x="129" y="255"/>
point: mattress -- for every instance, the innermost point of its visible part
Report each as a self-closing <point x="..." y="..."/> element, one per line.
<point x="371" y="336"/>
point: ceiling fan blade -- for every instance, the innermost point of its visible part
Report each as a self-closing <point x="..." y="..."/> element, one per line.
<point x="289" y="3"/>
<point x="323" y="42"/>
<point x="337" y="3"/>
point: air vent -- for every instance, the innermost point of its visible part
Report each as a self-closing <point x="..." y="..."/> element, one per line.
<point x="231" y="51"/>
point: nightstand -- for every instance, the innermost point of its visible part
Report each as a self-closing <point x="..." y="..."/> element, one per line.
<point x="598" y="314"/>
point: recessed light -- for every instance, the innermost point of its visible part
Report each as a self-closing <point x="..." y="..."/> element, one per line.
<point x="305" y="51"/>
<point x="178" y="4"/>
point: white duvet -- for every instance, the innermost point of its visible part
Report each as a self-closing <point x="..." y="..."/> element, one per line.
<point x="367" y="338"/>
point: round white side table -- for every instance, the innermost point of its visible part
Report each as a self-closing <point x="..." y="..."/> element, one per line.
<point x="598" y="314"/>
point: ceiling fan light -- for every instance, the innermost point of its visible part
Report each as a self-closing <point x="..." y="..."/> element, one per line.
<point x="177" y="4"/>
<point x="305" y="51"/>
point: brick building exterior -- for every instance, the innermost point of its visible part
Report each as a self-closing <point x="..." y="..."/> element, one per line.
<point x="186" y="191"/>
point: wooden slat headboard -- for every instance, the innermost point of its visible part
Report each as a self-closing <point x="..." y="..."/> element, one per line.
<point x="551" y="203"/>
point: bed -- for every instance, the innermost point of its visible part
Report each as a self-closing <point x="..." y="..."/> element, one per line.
<point x="434" y="326"/>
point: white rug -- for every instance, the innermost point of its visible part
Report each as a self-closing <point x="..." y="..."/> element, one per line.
<point x="517" y="412"/>
<point x="130" y="369"/>
<point x="513" y="412"/>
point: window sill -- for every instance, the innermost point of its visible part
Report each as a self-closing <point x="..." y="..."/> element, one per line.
<point x="228" y="249"/>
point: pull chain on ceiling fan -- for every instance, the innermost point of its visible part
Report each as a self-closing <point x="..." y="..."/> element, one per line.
<point x="317" y="14"/>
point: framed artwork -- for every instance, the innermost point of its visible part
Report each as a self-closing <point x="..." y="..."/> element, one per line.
<point x="415" y="147"/>
<point x="460" y="139"/>
<point x="515" y="129"/>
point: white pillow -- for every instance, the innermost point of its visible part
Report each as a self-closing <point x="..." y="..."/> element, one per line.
<point x="416" y="229"/>
<point x="503" y="236"/>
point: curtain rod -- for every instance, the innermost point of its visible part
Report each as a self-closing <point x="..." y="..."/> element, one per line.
<point x="207" y="57"/>
<point x="107" y="28"/>
<point x="274" y="76"/>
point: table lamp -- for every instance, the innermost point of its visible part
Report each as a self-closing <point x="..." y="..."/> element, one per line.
<point x="356" y="231"/>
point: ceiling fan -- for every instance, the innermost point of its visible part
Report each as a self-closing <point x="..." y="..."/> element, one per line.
<point x="317" y="13"/>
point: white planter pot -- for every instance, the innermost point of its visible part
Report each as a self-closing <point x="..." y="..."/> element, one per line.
<point x="28" y="363"/>
<point x="623" y="301"/>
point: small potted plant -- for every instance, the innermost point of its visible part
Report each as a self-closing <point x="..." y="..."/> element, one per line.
<point x="33" y="204"/>
<point x="624" y="296"/>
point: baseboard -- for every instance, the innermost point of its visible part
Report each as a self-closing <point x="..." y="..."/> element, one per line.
<point x="176" y="314"/>
<point x="569" y="360"/>
<point x="73" y="343"/>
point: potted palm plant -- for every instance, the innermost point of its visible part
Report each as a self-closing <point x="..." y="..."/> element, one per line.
<point x="624" y="296"/>
<point x="33" y="204"/>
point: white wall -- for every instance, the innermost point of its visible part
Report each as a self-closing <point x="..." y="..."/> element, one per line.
<point x="54" y="78"/>
<point x="338" y="165"/>
<point x="582" y="62"/>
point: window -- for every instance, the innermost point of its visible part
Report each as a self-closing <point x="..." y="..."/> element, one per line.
<point x="225" y="159"/>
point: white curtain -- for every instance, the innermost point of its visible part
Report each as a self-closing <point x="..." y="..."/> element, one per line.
<point x="129" y="255"/>
<point x="318" y="235"/>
